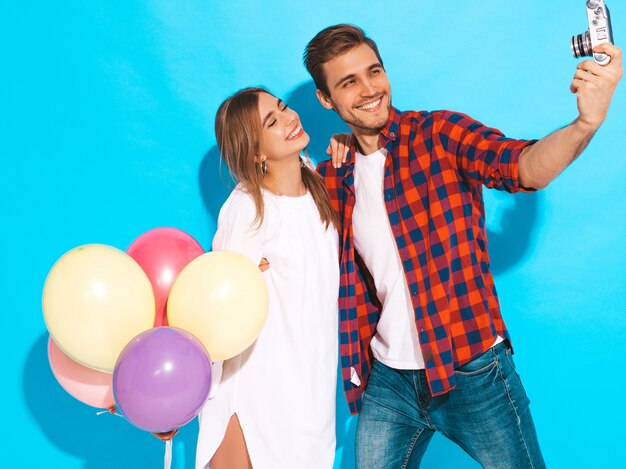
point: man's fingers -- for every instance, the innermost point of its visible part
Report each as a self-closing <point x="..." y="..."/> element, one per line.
<point x="591" y="67"/>
<point x="612" y="71"/>
<point x="614" y="68"/>
<point x="575" y="85"/>
<point x="611" y="50"/>
<point x="584" y="75"/>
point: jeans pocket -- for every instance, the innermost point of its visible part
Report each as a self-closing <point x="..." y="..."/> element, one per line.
<point x="509" y="358"/>
<point x="479" y="365"/>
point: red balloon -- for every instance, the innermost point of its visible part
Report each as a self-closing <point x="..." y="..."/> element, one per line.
<point x="162" y="253"/>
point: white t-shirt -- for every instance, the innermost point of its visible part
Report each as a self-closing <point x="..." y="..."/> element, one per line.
<point x="396" y="342"/>
<point x="282" y="388"/>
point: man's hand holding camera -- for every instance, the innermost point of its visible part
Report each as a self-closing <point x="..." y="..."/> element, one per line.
<point x="594" y="85"/>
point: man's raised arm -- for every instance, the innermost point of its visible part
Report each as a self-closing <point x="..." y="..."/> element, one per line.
<point x="593" y="85"/>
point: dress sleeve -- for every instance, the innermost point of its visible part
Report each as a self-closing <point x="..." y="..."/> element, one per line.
<point x="482" y="154"/>
<point x="216" y="377"/>
<point x="237" y="232"/>
<point x="236" y="228"/>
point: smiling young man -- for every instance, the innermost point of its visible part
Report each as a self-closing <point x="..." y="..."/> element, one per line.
<point x="424" y="347"/>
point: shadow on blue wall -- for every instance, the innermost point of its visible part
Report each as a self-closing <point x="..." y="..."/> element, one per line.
<point x="103" y="441"/>
<point x="511" y="243"/>
<point x="215" y="182"/>
<point x="507" y="246"/>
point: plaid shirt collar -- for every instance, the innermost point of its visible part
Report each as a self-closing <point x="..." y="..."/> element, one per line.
<point x="390" y="132"/>
<point x="387" y="137"/>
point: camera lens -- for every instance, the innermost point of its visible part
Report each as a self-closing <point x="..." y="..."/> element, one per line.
<point x="581" y="45"/>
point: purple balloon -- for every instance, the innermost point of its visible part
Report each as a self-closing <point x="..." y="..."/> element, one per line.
<point x="162" y="379"/>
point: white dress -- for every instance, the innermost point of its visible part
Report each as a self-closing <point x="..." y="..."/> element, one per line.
<point x="283" y="387"/>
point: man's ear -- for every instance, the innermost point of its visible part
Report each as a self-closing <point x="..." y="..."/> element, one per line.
<point x="324" y="100"/>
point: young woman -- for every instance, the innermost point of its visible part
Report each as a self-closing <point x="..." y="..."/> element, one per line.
<point x="275" y="404"/>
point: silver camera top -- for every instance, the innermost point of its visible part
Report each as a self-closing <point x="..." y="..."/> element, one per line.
<point x="599" y="32"/>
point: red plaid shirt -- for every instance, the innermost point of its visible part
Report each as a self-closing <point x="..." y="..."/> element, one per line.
<point x="436" y="166"/>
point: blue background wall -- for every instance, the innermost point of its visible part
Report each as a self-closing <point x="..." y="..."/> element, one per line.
<point x="107" y="118"/>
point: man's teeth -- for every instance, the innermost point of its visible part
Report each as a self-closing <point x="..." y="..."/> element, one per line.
<point x="294" y="133"/>
<point x="372" y="105"/>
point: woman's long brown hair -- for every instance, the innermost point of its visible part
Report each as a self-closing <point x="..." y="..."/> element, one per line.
<point x="238" y="131"/>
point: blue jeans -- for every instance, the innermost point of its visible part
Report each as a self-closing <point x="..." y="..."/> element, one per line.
<point x="487" y="415"/>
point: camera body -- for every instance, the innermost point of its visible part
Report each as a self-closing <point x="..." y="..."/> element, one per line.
<point x="599" y="32"/>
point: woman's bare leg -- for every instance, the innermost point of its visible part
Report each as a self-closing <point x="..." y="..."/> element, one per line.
<point x="232" y="452"/>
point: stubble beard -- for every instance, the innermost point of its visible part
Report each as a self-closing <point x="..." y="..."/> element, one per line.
<point x="360" y="125"/>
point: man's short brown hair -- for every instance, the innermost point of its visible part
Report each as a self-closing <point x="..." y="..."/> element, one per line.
<point x="330" y="43"/>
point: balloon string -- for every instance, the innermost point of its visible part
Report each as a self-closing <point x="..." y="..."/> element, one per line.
<point x="111" y="410"/>
<point x="167" y="458"/>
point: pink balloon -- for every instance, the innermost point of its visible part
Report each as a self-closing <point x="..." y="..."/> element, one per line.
<point x="92" y="387"/>
<point x="162" y="253"/>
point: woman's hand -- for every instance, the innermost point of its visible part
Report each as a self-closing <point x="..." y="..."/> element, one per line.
<point x="166" y="436"/>
<point x="338" y="148"/>
<point x="264" y="265"/>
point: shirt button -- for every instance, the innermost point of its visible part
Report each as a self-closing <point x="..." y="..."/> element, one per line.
<point x="392" y="134"/>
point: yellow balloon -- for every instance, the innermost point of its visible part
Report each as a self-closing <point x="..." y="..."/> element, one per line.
<point x="95" y="300"/>
<point x="221" y="298"/>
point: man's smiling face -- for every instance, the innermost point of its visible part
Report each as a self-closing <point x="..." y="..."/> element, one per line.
<point x="359" y="90"/>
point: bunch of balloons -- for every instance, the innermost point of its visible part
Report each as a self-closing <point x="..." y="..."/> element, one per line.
<point x="137" y="331"/>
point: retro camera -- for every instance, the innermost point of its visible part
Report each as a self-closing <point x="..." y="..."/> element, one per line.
<point x="599" y="32"/>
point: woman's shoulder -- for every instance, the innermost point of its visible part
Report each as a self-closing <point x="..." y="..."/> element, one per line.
<point x="239" y="201"/>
